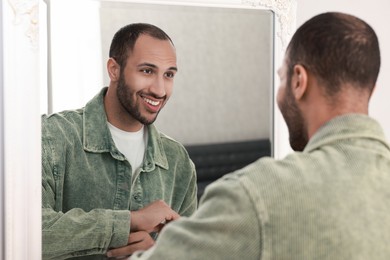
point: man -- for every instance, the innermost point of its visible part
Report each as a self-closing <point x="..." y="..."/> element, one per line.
<point x="110" y="178"/>
<point x="329" y="199"/>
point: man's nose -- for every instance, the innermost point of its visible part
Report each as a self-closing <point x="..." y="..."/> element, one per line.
<point x="158" y="87"/>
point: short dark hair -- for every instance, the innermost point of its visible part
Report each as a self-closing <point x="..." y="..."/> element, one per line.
<point x="124" y="40"/>
<point x="337" y="48"/>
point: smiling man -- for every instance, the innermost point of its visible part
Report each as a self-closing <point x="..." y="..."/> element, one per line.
<point x="109" y="177"/>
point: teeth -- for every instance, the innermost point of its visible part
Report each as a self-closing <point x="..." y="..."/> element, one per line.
<point x="153" y="103"/>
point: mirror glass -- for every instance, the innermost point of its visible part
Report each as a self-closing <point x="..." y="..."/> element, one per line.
<point x="223" y="91"/>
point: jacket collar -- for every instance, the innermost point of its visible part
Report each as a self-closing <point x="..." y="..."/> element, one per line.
<point x="97" y="136"/>
<point x="347" y="126"/>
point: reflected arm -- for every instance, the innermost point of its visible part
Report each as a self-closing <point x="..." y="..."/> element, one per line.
<point x="74" y="232"/>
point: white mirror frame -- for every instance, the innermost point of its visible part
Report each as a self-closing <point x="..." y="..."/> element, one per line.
<point x="285" y="24"/>
<point x="23" y="77"/>
<point x="20" y="183"/>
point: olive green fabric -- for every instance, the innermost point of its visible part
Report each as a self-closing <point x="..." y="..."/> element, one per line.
<point x="88" y="188"/>
<point x="331" y="201"/>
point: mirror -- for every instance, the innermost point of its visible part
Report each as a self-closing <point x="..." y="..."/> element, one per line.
<point x="222" y="107"/>
<point x="224" y="89"/>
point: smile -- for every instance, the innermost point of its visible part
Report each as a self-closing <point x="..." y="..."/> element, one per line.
<point x="151" y="102"/>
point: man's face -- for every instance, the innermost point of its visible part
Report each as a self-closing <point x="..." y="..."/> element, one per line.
<point x="146" y="82"/>
<point x="291" y="113"/>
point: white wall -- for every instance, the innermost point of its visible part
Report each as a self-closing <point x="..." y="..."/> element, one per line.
<point x="76" y="74"/>
<point x="377" y="14"/>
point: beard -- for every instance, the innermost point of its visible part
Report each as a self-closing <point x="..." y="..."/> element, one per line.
<point x="129" y="102"/>
<point x="298" y="136"/>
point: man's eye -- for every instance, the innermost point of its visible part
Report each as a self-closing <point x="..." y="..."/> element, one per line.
<point x="170" y="74"/>
<point x="147" y="71"/>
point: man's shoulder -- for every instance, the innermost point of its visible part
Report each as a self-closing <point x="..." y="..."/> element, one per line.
<point x="269" y="166"/>
<point x="63" y="116"/>
<point x="64" y="121"/>
<point x="167" y="141"/>
<point x="269" y="174"/>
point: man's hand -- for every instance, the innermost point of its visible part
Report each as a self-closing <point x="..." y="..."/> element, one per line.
<point x="153" y="217"/>
<point x="140" y="240"/>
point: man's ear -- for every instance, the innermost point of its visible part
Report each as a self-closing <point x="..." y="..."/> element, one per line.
<point x="113" y="69"/>
<point x="299" y="81"/>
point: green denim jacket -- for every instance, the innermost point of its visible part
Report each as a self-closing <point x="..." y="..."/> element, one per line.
<point x="331" y="201"/>
<point x="88" y="188"/>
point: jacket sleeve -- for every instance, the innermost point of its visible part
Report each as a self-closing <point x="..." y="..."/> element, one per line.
<point x="225" y="226"/>
<point x="76" y="232"/>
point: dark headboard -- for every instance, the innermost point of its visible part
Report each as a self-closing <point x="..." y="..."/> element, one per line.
<point x="212" y="161"/>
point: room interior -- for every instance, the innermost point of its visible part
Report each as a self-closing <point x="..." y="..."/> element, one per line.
<point x="33" y="82"/>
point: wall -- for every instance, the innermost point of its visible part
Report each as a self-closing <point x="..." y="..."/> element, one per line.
<point x="377" y="14"/>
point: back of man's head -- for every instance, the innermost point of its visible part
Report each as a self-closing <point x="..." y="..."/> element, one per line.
<point x="338" y="49"/>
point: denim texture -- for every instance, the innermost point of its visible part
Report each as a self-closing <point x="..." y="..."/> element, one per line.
<point x="88" y="188"/>
<point x="331" y="201"/>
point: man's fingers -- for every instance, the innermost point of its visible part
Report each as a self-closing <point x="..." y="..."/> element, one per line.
<point x="163" y="223"/>
<point x="137" y="241"/>
<point x="138" y="236"/>
<point x="159" y="227"/>
<point x="174" y="216"/>
<point x="149" y="217"/>
<point x="130" y="249"/>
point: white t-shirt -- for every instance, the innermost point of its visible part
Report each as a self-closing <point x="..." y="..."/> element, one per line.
<point x="131" y="144"/>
